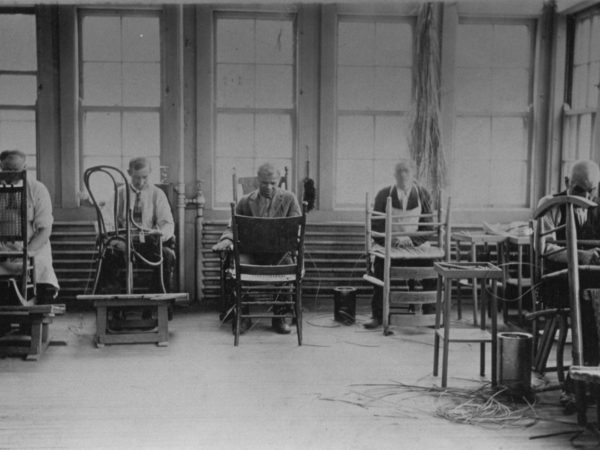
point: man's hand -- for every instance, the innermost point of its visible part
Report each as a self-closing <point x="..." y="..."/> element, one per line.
<point x="222" y="246"/>
<point x="403" y="242"/>
<point x="589" y="257"/>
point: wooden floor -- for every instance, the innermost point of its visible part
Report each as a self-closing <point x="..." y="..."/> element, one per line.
<point x="340" y="390"/>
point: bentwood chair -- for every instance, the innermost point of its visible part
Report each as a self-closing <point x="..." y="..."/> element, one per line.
<point x="272" y="286"/>
<point x="408" y="279"/>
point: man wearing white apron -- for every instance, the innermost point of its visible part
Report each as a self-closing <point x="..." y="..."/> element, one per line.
<point x="410" y="199"/>
<point x="39" y="228"/>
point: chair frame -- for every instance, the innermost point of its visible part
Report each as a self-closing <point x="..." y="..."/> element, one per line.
<point x="105" y="236"/>
<point x="440" y="229"/>
<point x="27" y="276"/>
<point x="283" y="279"/>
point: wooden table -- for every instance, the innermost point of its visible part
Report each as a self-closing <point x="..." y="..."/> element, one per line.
<point x="26" y="329"/>
<point x="134" y="331"/>
<point x="477" y="239"/>
<point x="447" y="272"/>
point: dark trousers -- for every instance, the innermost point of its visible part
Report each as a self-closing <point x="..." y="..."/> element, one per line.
<point x="377" y="299"/>
<point x="114" y="265"/>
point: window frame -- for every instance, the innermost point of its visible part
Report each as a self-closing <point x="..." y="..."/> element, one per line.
<point x="35" y="107"/>
<point x="82" y="109"/>
<point x="528" y="115"/>
<point x="255" y="14"/>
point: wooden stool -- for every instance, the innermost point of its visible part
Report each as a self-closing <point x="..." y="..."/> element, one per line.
<point x="133" y="331"/>
<point x="31" y="336"/>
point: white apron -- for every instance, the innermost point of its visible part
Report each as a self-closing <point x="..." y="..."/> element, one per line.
<point x="406" y="220"/>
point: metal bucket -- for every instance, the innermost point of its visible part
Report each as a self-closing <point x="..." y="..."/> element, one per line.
<point x="344" y="304"/>
<point x="514" y="362"/>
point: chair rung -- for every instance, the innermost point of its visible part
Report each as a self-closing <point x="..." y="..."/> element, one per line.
<point x="272" y="302"/>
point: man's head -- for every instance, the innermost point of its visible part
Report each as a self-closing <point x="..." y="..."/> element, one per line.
<point x="139" y="170"/>
<point x="585" y="176"/>
<point x="268" y="177"/>
<point x="12" y="161"/>
<point x="404" y="173"/>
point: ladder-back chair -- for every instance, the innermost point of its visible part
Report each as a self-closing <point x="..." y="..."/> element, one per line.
<point x="278" y="236"/>
<point x="404" y="268"/>
<point x="17" y="269"/>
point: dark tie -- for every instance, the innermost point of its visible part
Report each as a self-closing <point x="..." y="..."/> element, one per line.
<point x="137" y="208"/>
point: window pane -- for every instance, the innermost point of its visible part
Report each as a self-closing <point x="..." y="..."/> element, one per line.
<point x="390" y="138"/>
<point x="474" y="46"/>
<point x="244" y="167"/>
<point x="392" y="89"/>
<point x="141" y="39"/>
<point x="356" y="43"/>
<point x="274" y="42"/>
<point x="511" y="46"/>
<point x="355" y="88"/>
<point x="18" y="42"/>
<point x="466" y="175"/>
<point x="102" y="135"/>
<point x="473" y="89"/>
<point x="579" y="90"/>
<point x="18" y="89"/>
<point x="141" y="84"/>
<point x="355" y="137"/>
<point x="101" y="39"/>
<point x="354" y="178"/>
<point x="141" y="135"/>
<point x="102" y="84"/>
<point x="274" y="86"/>
<point x="393" y="44"/>
<point x="582" y="41"/>
<point x="510" y="90"/>
<point x="235" y="85"/>
<point x="17" y="130"/>
<point x="235" y="135"/>
<point x="235" y="41"/>
<point x="509" y="138"/>
<point x="507" y="183"/>
<point x="273" y="136"/>
<point x="473" y="138"/>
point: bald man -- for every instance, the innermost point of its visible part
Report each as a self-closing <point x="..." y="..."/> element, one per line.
<point x="583" y="182"/>
<point x="266" y="201"/>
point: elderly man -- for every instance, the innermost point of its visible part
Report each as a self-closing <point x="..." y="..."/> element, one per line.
<point x="267" y="201"/>
<point x="408" y="198"/>
<point x="39" y="227"/>
<point x="583" y="181"/>
<point x="150" y="210"/>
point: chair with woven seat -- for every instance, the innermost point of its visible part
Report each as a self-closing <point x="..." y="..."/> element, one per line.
<point x="276" y="285"/>
<point x="409" y="278"/>
<point x="24" y="325"/>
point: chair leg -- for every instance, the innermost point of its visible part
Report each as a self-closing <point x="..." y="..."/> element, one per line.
<point x="238" y="314"/>
<point x="560" y="348"/>
<point x="436" y="337"/>
<point x="298" y="306"/>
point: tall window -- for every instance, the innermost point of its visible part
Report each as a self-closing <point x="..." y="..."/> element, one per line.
<point x="583" y="93"/>
<point x="491" y="160"/>
<point x="374" y="66"/>
<point x="18" y="85"/>
<point x="120" y="82"/>
<point x="255" y="96"/>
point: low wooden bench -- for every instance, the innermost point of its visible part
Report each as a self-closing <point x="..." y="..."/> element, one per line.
<point x="24" y="330"/>
<point x="132" y="331"/>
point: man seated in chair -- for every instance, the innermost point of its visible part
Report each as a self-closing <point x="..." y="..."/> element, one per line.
<point x="266" y="201"/>
<point x="151" y="211"/>
<point x="583" y="182"/>
<point x="39" y="228"/>
<point x="408" y="198"/>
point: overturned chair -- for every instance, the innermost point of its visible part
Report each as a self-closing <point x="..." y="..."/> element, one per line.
<point x="275" y="286"/>
<point x="406" y="274"/>
<point x="24" y="325"/>
<point x="112" y="308"/>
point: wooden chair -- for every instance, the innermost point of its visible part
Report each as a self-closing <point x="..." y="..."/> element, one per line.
<point x="119" y="329"/>
<point x="246" y="185"/>
<point x="404" y="268"/>
<point x="24" y="325"/>
<point x="267" y="283"/>
<point x="549" y="322"/>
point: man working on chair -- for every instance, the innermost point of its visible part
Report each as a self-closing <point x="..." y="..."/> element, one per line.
<point x="408" y="198"/>
<point x="267" y="201"/>
<point x="150" y="210"/>
<point x="583" y="182"/>
<point x="39" y="228"/>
